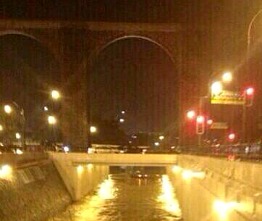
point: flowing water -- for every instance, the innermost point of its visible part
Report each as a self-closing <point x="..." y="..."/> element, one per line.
<point x="122" y="197"/>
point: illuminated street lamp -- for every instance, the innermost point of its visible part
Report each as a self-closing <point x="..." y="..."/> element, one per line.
<point x="216" y="88"/>
<point x="248" y="102"/>
<point x="18" y="136"/>
<point x="93" y="129"/>
<point x="227" y="77"/>
<point x="51" y="120"/>
<point x="161" y="137"/>
<point x="191" y="114"/>
<point x="156" y="144"/>
<point x="8" y="109"/>
<point x="55" y="94"/>
<point x="1" y="127"/>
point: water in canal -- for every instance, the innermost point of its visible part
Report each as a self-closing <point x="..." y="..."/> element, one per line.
<point x="136" y="196"/>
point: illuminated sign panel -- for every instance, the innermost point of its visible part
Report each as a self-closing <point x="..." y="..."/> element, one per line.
<point x="227" y="97"/>
<point x="219" y="125"/>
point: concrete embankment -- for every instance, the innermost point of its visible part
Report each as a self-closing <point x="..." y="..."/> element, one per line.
<point x="79" y="178"/>
<point x="30" y="190"/>
<point x="36" y="186"/>
<point x="214" y="189"/>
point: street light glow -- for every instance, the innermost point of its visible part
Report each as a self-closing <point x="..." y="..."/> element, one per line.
<point x="55" y="94"/>
<point x="161" y="137"/>
<point x="216" y="88"/>
<point x="1" y="127"/>
<point x="156" y="143"/>
<point x="93" y="129"/>
<point x="209" y="121"/>
<point x="227" y="77"/>
<point x="51" y="120"/>
<point x="191" y="114"/>
<point x="17" y="136"/>
<point x="8" y="109"/>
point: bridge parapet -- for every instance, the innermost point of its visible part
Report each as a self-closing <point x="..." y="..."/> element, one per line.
<point x="118" y="159"/>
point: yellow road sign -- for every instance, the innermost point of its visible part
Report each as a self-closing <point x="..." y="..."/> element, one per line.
<point x="219" y="125"/>
<point x="228" y="97"/>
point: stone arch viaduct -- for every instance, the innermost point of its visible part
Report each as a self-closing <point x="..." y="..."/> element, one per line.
<point x="75" y="46"/>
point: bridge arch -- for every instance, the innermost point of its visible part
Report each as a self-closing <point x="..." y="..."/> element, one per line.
<point x="131" y="36"/>
<point x="27" y="67"/>
<point x="151" y="42"/>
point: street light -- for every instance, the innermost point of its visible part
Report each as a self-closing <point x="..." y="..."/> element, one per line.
<point x="191" y="114"/>
<point x="8" y="109"/>
<point x="17" y="136"/>
<point x="248" y="102"/>
<point x="161" y="137"/>
<point x="51" y="120"/>
<point x="216" y="88"/>
<point x="93" y="129"/>
<point x="55" y="94"/>
<point x="227" y="77"/>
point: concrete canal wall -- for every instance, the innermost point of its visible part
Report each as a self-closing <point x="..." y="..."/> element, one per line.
<point x="79" y="178"/>
<point x="31" y="193"/>
<point x="35" y="187"/>
<point x="213" y="189"/>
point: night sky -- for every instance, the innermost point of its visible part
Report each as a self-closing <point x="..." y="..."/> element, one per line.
<point x="136" y="76"/>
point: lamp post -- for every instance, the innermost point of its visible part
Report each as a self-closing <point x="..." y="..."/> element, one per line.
<point x="54" y="110"/>
<point x="52" y="122"/>
<point x="248" y="102"/>
<point x="249" y="30"/>
<point x="215" y="88"/>
<point x="8" y="110"/>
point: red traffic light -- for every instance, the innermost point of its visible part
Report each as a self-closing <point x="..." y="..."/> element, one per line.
<point x="209" y="121"/>
<point x="200" y="119"/>
<point x="200" y="124"/>
<point x="249" y="96"/>
<point x="250" y="91"/>
<point x="231" y="136"/>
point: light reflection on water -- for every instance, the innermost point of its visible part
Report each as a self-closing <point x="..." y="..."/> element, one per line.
<point x="121" y="198"/>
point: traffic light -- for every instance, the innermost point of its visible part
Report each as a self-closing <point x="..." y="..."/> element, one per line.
<point x="209" y="122"/>
<point x="231" y="137"/>
<point x="200" y="124"/>
<point x="249" y="96"/>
